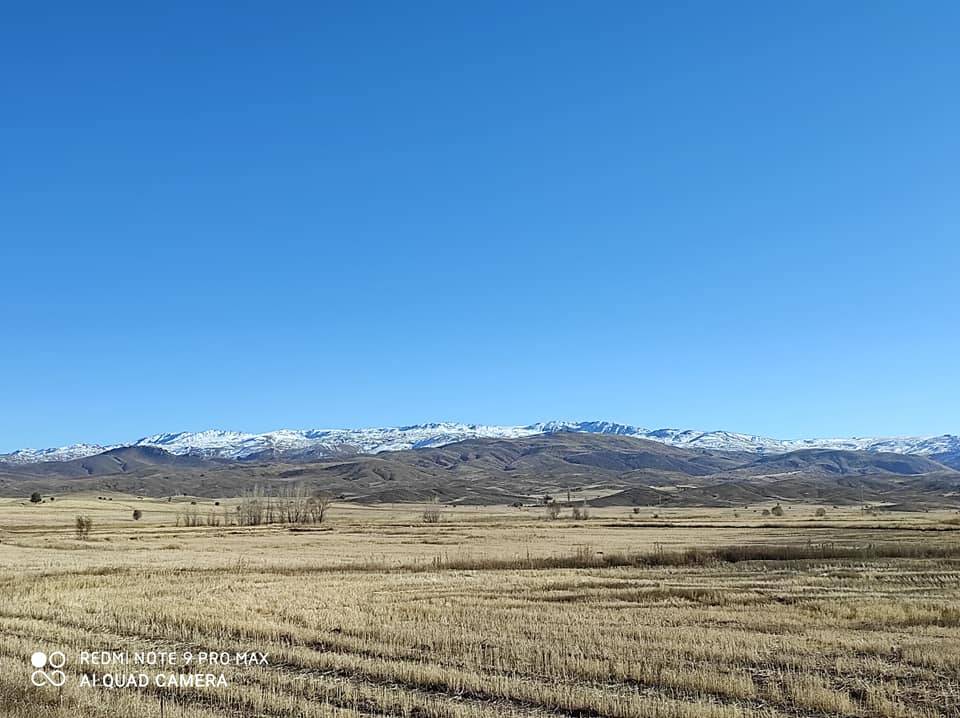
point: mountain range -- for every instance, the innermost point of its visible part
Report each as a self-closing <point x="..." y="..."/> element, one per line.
<point x="607" y="469"/>
<point x="316" y="444"/>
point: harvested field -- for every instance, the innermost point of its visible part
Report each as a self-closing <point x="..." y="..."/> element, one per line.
<point x="491" y="612"/>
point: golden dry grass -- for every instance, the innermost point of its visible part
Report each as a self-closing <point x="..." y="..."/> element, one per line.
<point x="365" y="616"/>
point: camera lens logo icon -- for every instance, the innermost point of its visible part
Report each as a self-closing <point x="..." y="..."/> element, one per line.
<point x="55" y="677"/>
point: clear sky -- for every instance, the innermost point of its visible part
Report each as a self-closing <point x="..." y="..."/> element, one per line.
<point x="260" y="215"/>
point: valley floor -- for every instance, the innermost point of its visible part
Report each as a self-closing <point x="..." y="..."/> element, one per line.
<point x="375" y="613"/>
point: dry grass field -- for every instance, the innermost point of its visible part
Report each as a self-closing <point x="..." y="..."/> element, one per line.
<point x="490" y="612"/>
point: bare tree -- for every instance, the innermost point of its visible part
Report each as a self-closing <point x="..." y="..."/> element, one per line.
<point x="317" y="506"/>
<point x="253" y="508"/>
<point x="289" y="505"/>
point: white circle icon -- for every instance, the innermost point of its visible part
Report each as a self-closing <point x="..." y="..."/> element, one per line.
<point x="41" y="677"/>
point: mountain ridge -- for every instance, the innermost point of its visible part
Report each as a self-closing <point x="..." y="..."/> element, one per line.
<point x="306" y="444"/>
<point x="605" y="468"/>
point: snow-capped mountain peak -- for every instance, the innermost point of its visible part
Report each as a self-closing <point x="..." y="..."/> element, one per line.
<point x="63" y="453"/>
<point x="220" y="444"/>
<point x="237" y="445"/>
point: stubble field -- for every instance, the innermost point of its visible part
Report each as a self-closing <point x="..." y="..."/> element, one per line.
<point x="491" y="612"/>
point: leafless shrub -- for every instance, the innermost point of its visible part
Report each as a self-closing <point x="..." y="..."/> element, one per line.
<point x="431" y="514"/>
<point x="190" y="516"/>
<point x="82" y="527"/>
<point x="581" y="512"/>
<point x="553" y="511"/>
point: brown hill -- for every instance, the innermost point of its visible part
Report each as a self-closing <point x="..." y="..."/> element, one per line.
<point x="620" y="470"/>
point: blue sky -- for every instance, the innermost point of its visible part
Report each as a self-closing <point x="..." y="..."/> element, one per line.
<point x="711" y="215"/>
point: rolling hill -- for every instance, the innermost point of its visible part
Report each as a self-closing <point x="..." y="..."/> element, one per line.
<point x="610" y="469"/>
<point x="315" y="444"/>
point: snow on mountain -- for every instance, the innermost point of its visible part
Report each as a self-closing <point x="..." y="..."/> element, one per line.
<point x="234" y="445"/>
<point x="318" y="442"/>
<point x="63" y="453"/>
<point x="731" y="441"/>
